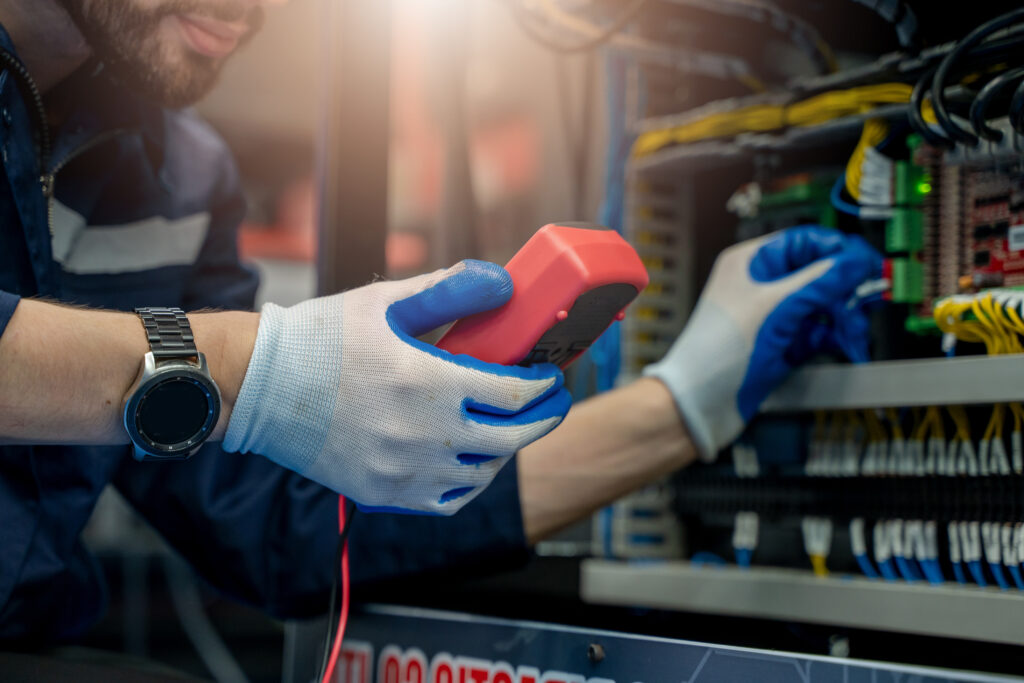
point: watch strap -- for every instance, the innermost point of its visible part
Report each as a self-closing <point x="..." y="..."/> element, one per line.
<point x="168" y="332"/>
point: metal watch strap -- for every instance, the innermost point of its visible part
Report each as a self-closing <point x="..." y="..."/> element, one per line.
<point x="168" y="332"/>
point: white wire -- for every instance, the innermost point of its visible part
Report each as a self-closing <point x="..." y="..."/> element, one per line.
<point x="197" y="626"/>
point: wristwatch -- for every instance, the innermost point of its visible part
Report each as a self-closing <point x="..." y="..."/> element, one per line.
<point x="175" y="403"/>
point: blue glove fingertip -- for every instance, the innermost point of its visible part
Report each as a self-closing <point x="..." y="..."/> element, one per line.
<point x="472" y="287"/>
<point x="792" y="249"/>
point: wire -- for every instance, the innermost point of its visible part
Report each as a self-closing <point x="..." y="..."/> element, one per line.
<point x="201" y="632"/>
<point x="1017" y="109"/>
<point x="596" y="35"/>
<point x="1018" y="578"/>
<point x="977" y="573"/>
<point x="708" y="64"/>
<point x="916" y="113"/>
<point x="836" y="197"/>
<point x="887" y="571"/>
<point x="953" y="129"/>
<point x="803" y="34"/>
<point x="762" y="118"/>
<point x="1000" y="577"/>
<point x="865" y="566"/>
<point x="900" y="16"/>
<point x="329" y="663"/>
<point x="980" y="105"/>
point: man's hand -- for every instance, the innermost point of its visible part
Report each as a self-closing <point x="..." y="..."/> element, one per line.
<point x="340" y="390"/>
<point x="749" y="326"/>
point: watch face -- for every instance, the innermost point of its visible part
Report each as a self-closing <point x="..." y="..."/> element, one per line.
<point x="174" y="411"/>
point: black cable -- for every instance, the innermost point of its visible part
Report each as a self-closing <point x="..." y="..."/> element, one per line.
<point x="607" y="33"/>
<point x="954" y="130"/>
<point x="1017" y="109"/>
<point x="916" y="118"/>
<point x="902" y="18"/>
<point x="981" y="103"/>
<point x="350" y="512"/>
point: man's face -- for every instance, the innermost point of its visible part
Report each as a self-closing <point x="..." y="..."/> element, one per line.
<point x="170" y="50"/>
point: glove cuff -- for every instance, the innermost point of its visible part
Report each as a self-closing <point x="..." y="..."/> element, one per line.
<point x="277" y="413"/>
<point x="690" y="412"/>
<point x="703" y="371"/>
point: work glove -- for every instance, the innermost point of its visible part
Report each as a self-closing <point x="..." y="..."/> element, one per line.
<point x="757" y="318"/>
<point x="340" y="389"/>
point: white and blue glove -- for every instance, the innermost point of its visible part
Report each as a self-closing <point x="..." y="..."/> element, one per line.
<point x="339" y="389"/>
<point x="757" y="319"/>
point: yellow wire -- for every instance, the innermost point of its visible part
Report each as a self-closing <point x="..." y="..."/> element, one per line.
<point x="963" y="424"/>
<point x="818" y="563"/>
<point x="995" y="423"/>
<point x="872" y="135"/>
<point x="812" y="111"/>
<point x="894" y="423"/>
<point x="874" y="426"/>
<point x="1018" y="416"/>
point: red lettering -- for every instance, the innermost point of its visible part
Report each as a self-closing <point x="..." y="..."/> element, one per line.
<point x="413" y="671"/>
<point x="502" y="673"/>
<point x="354" y="666"/>
<point x="390" y="667"/>
<point x="443" y="673"/>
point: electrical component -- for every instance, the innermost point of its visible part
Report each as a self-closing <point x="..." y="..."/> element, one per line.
<point x="571" y="281"/>
<point x="744" y="537"/>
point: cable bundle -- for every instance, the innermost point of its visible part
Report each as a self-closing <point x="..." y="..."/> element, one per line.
<point x="763" y="118"/>
<point x="993" y="318"/>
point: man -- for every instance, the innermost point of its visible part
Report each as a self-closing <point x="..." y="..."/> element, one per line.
<point x="139" y="205"/>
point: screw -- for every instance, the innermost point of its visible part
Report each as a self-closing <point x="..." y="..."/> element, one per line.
<point x="595" y="653"/>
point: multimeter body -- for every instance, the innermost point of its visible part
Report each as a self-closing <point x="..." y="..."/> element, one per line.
<point x="571" y="280"/>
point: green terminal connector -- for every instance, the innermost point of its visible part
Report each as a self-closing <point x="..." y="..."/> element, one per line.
<point x="920" y="324"/>
<point x="910" y="184"/>
<point x="905" y="231"/>
<point x="907" y="281"/>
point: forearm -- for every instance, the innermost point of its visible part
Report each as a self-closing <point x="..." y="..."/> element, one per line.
<point x="64" y="371"/>
<point x="607" y="446"/>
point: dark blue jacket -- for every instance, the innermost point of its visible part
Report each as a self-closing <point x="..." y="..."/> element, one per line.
<point x="145" y="212"/>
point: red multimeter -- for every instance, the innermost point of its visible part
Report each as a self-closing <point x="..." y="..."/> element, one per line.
<point x="571" y="281"/>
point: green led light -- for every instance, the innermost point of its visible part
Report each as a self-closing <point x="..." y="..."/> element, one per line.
<point x="923" y="187"/>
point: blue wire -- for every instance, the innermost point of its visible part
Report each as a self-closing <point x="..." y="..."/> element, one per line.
<point x="958" y="573"/>
<point x="837" y="198"/>
<point x="1018" y="579"/>
<point x="605" y="354"/>
<point x="888" y="573"/>
<point x="866" y="567"/>
<point x="907" y="570"/>
<point x="744" y="557"/>
<point x="933" y="572"/>
<point x="977" y="572"/>
<point x="707" y="558"/>
<point x="997" y="572"/>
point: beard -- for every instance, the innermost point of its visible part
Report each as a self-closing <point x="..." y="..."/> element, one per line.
<point x="127" y="39"/>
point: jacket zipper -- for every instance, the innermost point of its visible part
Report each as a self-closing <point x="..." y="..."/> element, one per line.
<point x="49" y="179"/>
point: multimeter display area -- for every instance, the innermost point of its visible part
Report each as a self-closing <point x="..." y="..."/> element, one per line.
<point x="173" y="411"/>
<point x="587" y="319"/>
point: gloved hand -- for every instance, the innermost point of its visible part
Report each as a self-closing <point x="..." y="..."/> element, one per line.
<point x="340" y="390"/>
<point x="750" y="325"/>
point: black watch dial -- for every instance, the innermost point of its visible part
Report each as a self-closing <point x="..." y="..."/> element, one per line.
<point x="174" y="411"/>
